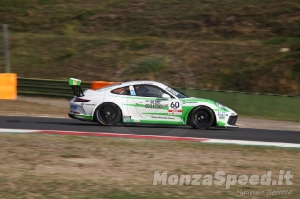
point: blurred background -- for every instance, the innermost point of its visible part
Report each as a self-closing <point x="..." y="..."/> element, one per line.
<point x="251" y="46"/>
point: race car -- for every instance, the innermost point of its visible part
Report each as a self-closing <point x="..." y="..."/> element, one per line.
<point x="147" y="102"/>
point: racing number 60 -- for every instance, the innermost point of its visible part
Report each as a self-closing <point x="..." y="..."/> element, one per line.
<point x="174" y="105"/>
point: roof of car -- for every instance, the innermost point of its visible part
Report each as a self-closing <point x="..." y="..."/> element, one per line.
<point x="140" y="82"/>
<point x="121" y="84"/>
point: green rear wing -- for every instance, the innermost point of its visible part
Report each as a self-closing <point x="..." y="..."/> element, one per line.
<point x="75" y="85"/>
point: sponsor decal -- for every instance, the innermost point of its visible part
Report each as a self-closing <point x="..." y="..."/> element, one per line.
<point x="163" y="117"/>
<point x="126" y="118"/>
<point x="175" y="108"/>
<point x="221" y="115"/>
<point x="154" y="104"/>
<point x="132" y="92"/>
<point x="73" y="107"/>
<point x="145" y="82"/>
<point x="172" y="91"/>
<point x="190" y="102"/>
<point x="154" y="101"/>
<point x="87" y="104"/>
<point x="136" y="120"/>
<point x="74" y="82"/>
<point x="90" y="104"/>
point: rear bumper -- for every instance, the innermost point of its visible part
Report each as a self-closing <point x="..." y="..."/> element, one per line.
<point x="74" y="116"/>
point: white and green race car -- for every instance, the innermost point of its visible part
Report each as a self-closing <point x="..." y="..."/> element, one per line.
<point x="147" y="102"/>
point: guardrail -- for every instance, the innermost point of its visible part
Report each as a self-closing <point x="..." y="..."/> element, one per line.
<point x="47" y="87"/>
<point x="250" y="104"/>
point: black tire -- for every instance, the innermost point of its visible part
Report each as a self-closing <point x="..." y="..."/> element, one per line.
<point x="108" y="114"/>
<point x="201" y="117"/>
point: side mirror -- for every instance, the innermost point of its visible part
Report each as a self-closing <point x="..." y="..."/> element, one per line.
<point x="165" y="96"/>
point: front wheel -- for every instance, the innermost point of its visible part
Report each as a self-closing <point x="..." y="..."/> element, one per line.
<point x="201" y="117"/>
<point x="108" y="114"/>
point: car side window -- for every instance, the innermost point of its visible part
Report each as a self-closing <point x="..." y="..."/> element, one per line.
<point x="148" y="91"/>
<point x="121" y="91"/>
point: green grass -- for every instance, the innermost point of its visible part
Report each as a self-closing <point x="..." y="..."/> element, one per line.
<point x="228" y="45"/>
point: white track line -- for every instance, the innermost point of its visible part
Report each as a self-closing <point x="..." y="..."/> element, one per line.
<point x="253" y="143"/>
<point x="17" y="131"/>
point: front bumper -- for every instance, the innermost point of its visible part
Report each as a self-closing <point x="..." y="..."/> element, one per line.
<point x="232" y="121"/>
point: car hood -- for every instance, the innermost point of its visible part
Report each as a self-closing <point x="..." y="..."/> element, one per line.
<point x="192" y="101"/>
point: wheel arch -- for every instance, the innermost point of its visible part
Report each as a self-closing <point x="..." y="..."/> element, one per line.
<point x="189" y="112"/>
<point x="94" y="111"/>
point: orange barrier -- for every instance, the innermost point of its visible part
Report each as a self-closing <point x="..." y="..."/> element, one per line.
<point x="110" y="83"/>
<point x="8" y="86"/>
<point x="100" y="84"/>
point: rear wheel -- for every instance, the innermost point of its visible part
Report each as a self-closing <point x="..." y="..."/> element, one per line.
<point x="108" y="114"/>
<point x="201" y="117"/>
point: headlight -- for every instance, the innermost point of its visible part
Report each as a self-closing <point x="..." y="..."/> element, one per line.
<point x="220" y="105"/>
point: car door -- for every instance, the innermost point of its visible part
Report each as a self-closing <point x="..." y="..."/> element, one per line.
<point x="150" y="105"/>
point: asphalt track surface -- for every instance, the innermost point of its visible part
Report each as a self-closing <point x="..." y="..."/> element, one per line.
<point x="66" y="124"/>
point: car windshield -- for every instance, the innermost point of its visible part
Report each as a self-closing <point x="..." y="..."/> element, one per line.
<point x="176" y="92"/>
